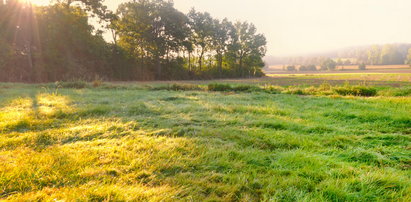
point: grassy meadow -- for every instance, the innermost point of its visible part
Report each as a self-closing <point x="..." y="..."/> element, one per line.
<point x="386" y="68"/>
<point x="251" y="140"/>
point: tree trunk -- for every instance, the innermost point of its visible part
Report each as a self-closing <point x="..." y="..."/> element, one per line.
<point x="200" y="61"/>
<point x="220" y="64"/>
<point x="159" y="69"/>
<point x="142" y="67"/>
<point x="189" y="61"/>
<point x="241" y="67"/>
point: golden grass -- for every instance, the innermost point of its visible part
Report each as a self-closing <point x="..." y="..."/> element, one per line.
<point x="145" y="145"/>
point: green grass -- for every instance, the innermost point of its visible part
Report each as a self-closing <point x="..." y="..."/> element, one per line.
<point x="122" y="143"/>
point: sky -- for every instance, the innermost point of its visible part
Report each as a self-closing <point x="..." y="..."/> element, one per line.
<point x="294" y="27"/>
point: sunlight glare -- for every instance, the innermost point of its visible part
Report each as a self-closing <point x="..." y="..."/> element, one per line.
<point x="40" y="2"/>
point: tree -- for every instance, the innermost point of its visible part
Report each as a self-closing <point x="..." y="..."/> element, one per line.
<point x="362" y="66"/>
<point x="347" y="62"/>
<point x="374" y="55"/>
<point x="95" y="7"/>
<point x="311" y="68"/>
<point x="151" y="30"/>
<point x="150" y="41"/>
<point x="408" y="60"/>
<point x="202" y="26"/>
<point x="81" y="54"/>
<point x="248" y="47"/>
<point x="390" y="55"/>
<point x="17" y="36"/>
<point x="224" y="33"/>
<point x="328" y="64"/>
<point x="340" y="62"/>
<point x="291" y="68"/>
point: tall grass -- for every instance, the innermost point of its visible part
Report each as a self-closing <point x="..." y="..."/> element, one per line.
<point x="97" y="144"/>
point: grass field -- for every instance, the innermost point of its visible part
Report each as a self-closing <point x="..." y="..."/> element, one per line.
<point x="127" y="141"/>
<point x="352" y="67"/>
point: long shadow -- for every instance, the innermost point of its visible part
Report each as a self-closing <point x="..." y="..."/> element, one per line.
<point x="189" y="116"/>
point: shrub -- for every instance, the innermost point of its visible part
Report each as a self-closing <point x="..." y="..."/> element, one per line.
<point x="328" y="64"/>
<point x="398" y="92"/>
<point x="273" y="89"/>
<point x="178" y="87"/>
<point x="294" y="91"/>
<point x="356" y="91"/>
<point x="303" y="68"/>
<point x="362" y="66"/>
<point x="246" y="88"/>
<point x="97" y="82"/>
<point x="308" y="68"/>
<point x="219" y="87"/>
<point x="403" y="92"/>
<point x="311" y="68"/>
<point x="291" y="68"/>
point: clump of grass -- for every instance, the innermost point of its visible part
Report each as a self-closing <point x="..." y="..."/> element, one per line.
<point x="226" y="88"/>
<point x="356" y="91"/>
<point x="396" y="92"/>
<point x="246" y="88"/>
<point x="74" y="84"/>
<point x="219" y="87"/>
<point x="294" y="91"/>
<point x="273" y="89"/>
<point x="178" y="87"/>
<point x="325" y="89"/>
<point x="97" y="83"/>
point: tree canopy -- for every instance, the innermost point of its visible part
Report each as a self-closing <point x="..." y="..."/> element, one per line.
<point x="151" y="40"/>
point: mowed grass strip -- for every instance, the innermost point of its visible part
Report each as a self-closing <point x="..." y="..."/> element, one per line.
<point x="125" y="145"/>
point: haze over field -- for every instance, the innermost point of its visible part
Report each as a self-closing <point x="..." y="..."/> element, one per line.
<point x="296" y="27"/>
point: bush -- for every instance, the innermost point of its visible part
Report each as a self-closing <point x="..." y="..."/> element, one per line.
<point x="178" y="87"/>
<point x="403" y="92"/>
<point x="308" y="68"/>
<point x="273" y="89"/>
<point x="356" y="91"/>
<point x="303" y="68"/>
<point x="97" y="82"/>
<point x="311" y="68"/>
<point x="219" y="87"/>
<point x="294" y="91"/>
<point x="397" y="92"/>
<point x="291" y="68"/>
<point x="362" y="67"/>
<point x="328" y="64"/>
<point x="246" y="88"/>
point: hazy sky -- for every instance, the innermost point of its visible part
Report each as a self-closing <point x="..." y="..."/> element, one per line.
<point x="304" y="26"/>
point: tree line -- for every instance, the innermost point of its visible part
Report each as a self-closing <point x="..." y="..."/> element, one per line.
<point x="151" y="40"/>
<point x="388" y="54"/>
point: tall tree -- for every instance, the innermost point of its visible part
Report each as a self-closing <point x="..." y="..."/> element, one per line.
<point x="374" y="55"/>
<point x="408" y="61"/>
<point x="224" y="34"/>
<point x="390" y="55"/>
<point x="154" y="29"/>
<point x="202" y="33"/>
<point x="248" y="45"/>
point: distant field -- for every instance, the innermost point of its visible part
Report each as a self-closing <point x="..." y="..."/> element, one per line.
<point x="381" y="79"/>
<point x="179" y="141"/>
<point x="306" y="79"/>
<point x="278" y="69"/>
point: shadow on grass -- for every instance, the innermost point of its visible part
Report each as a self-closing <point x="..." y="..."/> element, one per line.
<point x="198" y="146"/>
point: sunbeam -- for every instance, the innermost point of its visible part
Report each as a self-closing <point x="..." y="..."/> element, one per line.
<point x="39" y="2"/>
